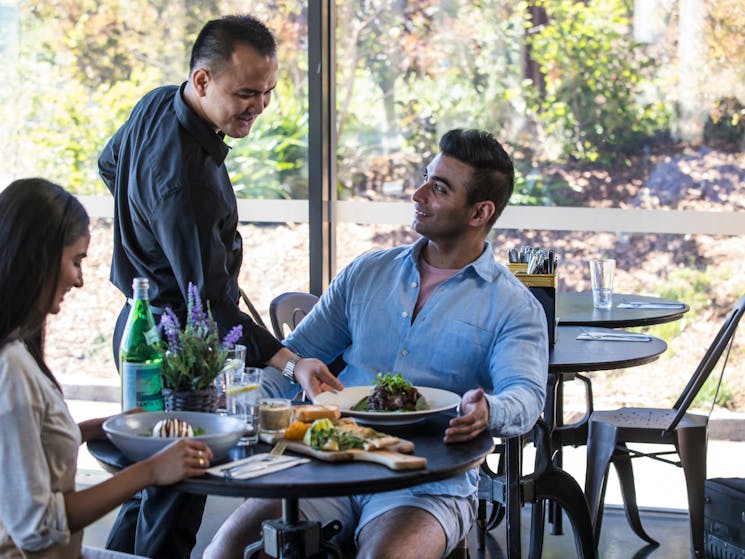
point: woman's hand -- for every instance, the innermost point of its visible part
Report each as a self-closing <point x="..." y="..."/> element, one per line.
<point x="180" y="459"/>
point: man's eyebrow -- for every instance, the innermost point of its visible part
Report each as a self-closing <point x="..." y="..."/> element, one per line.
<point x="440" y="179"/>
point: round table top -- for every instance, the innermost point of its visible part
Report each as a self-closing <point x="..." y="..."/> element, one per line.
<point x="327" y="479"/>
<point x="570" y="355"/>
<point x="576" y="309"/>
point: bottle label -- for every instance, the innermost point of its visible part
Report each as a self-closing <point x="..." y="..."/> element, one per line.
<point x="152" y="337"/>
<point x="142" y="386"/>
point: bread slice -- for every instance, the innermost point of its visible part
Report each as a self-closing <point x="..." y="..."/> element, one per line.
<point x="311" y="412"/>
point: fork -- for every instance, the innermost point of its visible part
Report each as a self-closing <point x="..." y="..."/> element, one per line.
<point x="279" y="448"/>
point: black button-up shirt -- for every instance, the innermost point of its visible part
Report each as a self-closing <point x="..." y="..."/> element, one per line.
<point x="176" y="215"/>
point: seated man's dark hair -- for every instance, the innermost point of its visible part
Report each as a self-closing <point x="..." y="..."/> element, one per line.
<point x="493" y="176"/>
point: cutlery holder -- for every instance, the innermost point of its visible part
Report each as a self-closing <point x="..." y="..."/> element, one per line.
<point x="543" y="288"/>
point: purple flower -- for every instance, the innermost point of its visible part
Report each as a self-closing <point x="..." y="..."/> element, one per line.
<point x="196" y="317"/>
<point x="232" y="337"/>
<point x="169" y="326"/>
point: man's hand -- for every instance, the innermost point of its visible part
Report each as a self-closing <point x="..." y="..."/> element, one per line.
<point x="315" y="377"/>
<point x="473" y="419"/>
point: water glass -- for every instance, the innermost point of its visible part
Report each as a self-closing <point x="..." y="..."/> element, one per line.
<point x="243" y="389"/>
<point x="601" y="276"/>
<point x="235" y="361"/>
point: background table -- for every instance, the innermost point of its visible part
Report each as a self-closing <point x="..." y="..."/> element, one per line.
<point x="576" y="309"/>
<point x="567" y="358"/>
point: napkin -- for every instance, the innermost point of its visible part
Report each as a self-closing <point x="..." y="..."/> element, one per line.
<point x="255" y="466"/>
<point x="644" y="305"/>
<point x="615" y="337"/>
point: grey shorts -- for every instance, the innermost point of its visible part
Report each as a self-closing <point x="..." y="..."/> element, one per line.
<point x="455" y="514"/>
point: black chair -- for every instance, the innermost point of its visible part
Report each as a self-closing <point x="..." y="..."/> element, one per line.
<point x="610" y="431"/>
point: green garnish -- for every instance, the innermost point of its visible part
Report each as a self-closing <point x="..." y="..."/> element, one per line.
<point x="392" y="382"/>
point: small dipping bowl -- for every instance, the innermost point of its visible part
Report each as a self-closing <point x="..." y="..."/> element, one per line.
<point x="275" y="415"/>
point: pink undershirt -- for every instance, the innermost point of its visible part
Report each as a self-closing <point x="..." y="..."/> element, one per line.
<point x="430" y="278"/>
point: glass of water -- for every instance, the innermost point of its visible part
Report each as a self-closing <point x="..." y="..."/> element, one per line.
<point x="242" y="391"/>
<point x="601" y="277"/>
<point x="235" y="361"/>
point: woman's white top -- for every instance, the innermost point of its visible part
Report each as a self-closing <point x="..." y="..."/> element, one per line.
<point x="39" y="443"/>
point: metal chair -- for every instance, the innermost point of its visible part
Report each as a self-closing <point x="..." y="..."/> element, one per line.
<point x="610" y="431"/>
<point x="288" y="309"/>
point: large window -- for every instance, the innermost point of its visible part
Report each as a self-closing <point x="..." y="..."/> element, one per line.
<point x="625" y="121"/>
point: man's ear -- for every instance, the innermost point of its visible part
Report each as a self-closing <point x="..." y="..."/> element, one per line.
<point x="200" y="79"/>
<point x="482" y="212"/>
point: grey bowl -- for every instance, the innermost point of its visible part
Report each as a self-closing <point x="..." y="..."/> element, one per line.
<point x="129" y="433"/>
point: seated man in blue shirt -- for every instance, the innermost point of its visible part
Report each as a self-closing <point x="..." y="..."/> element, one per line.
<point x="444" y="314"/>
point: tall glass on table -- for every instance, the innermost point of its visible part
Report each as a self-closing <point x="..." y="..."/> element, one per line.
<point x="235" y="362"/>
<point x="242" y="391"/>
<point x="601" y="277"/>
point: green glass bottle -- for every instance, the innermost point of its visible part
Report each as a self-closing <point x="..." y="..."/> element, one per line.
<point x="140" y="358"/>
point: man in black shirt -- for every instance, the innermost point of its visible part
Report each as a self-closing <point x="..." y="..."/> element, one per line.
<point x="176" y="222"/>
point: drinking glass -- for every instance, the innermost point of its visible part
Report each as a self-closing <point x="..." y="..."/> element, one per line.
<point x="235" y="361"/>
<point x="243" y="389"/>
<point x="601" y="276"/>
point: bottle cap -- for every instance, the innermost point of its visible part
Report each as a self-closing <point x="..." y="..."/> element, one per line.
<point x="140" y="283"/>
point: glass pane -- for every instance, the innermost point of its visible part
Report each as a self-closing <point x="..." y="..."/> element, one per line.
<point x="615" y="104"/>
<point x="81" y="67"/>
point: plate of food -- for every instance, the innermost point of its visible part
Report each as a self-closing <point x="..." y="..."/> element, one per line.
<point x="140" y="435"/>
<point x="392" y="400"/>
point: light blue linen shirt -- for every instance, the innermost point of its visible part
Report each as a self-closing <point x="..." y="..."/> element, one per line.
<point x="480" y="328"/>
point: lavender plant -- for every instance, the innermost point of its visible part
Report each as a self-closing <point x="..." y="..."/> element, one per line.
<point x="194" y="356"/>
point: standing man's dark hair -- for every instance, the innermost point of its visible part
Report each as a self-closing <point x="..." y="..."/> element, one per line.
<point x="493" y="174"/>
<point x="216" y="41"/>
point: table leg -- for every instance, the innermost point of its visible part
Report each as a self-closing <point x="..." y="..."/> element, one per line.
<point x="513" y="449"/>
<point x="292" y="538"/>
<point x="555" y="514"/>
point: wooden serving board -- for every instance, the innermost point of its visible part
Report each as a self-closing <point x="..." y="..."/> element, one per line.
<point x="392" y="457"/>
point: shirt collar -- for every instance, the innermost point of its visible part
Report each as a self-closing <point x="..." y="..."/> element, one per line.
<point x="211" y="141"/>
<point x="484" y="265"/>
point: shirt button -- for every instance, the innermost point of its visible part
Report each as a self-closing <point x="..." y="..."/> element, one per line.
<point x="404" y="352"/>
<point x="414" y="284"/>
<point x="404" y="314"/>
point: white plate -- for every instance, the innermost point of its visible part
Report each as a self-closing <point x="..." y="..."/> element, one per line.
<point x="128" y="432"/>
<point x="437" y="399"/>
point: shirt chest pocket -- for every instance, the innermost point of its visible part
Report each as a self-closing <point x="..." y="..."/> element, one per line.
<point x="459" y="348"/>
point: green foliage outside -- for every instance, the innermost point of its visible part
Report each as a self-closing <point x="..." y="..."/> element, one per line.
<point x="596" y="80"/>
<point x="406" y="72"/>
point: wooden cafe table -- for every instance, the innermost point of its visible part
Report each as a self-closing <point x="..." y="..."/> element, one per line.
<point x="292" y="537"/>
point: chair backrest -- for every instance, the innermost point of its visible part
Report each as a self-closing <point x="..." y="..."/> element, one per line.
<point x="721" y="342"/>
<point x="288" y="309"/>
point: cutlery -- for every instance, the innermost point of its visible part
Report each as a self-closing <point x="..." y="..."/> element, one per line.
<point x="642" y="304"/>
<point x="615" y="335"/>
<point x="268" y="459"/>
<point x="281" y="463"/>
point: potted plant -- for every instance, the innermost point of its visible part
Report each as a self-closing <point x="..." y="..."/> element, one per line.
<point x="193" y="356"/>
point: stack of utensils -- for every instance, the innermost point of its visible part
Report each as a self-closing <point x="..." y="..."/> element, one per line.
<point x="536" y="268"/>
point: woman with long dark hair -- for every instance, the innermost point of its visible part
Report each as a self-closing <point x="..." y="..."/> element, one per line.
<point x="43" y="240"/>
